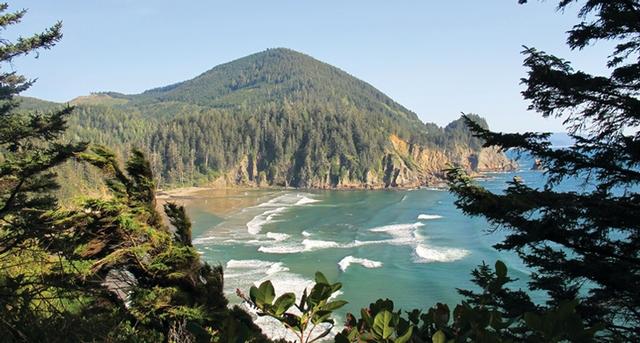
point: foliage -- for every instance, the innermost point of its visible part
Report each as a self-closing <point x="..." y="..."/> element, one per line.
<point x="133" y="264"/>
<point x="480" y="318"/>
<point x="284" y="117"/>
<point x="315" y="308"/>
<point x="477" y="319"/>
<point x="104" y="269"/>
<point x="30" y="146"/>
<point x="582" y="244"/>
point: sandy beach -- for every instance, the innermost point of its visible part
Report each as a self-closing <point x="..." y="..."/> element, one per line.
<point x="218" y="201"/>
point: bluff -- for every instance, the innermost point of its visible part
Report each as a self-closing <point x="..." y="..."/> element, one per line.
<point x="277" y="118"/>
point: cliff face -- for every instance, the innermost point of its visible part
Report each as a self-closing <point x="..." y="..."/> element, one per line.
<point x="404" y="165"/>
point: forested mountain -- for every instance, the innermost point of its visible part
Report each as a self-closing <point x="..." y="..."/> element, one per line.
<point x="277" y="117"/>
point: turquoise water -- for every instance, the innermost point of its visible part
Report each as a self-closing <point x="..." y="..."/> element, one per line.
<point x="414" y="247"/>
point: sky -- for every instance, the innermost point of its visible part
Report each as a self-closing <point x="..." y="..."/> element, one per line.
<point x="437" y="58"/>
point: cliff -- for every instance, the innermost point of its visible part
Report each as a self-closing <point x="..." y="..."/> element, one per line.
<point x="404" y="165"/>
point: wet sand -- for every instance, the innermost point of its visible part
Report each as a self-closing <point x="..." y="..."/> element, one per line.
<point x="219" y="201"/>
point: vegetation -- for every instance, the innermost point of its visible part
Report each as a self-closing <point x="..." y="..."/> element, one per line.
<point x="111" y="269"/>
<point x="316" y="308"/>
<point x="105" y="269"/>
<point x="280" y="117"/>
<point x="480" y="318"/>
<point x="28" y="152"/>
<point x="583" y="244"/>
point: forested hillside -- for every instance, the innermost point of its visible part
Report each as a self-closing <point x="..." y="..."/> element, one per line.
<point x="281" y="118"/>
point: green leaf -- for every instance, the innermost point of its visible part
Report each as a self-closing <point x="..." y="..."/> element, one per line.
<point x="320" y="278"/>
<point x="405" y="338"/>
<point x="292" y="320"/>
<point x="303" y="300"/>
<point x="439" y="337"/>
<point x="263" y="295"/>
<point x="366" y="318"/>
<point x="341" y="338"/>
<point x="283" y="303"/>
<point x="319" y="292"/>
<point x="334" y="305"/>
<point x="255" y="294"/>
<point x="441" y="315"/>
<point x="414" y="316"/>
<point x="320" y="317"/>
<point x="501" y="269"/>
<point x="381" y="324"/>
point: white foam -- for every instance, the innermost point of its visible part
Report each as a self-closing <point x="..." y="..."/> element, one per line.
<point x="396" y="227"/>
<point x="256" y="267"/>
<point x="281" y="204"/>
<point x="357" y="243"/>
<point x="281" y="249"/>
<point x="312" y="244"/>
<point x="306" y="234"/>
<point x="277" y="201"/>
<point x="428" y="254"/>
<point x="278" y="237"/>
<point x="305" y="200"/>
<point x="248" y="264"/>
<point x="347" y="261"/>
<point x="307" y="245"/>
<point x="428" y="217"/>
<point x="335" y="294"/>
<point x="201" y="240"/>
<point x="277" y="268"/>
<point x="290" y="199"/>
<point x="404" y="234"/>
<point x="254" y="226"/>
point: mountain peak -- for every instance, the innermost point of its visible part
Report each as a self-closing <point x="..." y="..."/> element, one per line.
<point x="273" y="75"/>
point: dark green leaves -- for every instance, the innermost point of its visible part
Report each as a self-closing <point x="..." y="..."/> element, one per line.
<point x="314" y="306"/>
<point x="283" y="303"/>
<point x="263" y="295"/>
<point x="501" y="270"/>
<point x="382" y="325"/>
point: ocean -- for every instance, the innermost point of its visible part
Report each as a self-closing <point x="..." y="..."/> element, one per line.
<point x="412" y="246"/>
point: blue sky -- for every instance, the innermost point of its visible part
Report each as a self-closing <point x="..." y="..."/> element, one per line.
<point x="437" y="58"/>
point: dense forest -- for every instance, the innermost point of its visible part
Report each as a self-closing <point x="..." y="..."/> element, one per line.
<point x="114" y="269"/>
<point x="277" y="117"/>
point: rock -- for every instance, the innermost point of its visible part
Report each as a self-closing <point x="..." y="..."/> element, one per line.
<point x="537" y="165"/>
<point x="403" y="165"/>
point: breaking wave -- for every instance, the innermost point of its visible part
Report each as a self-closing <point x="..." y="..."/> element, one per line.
<point x="349" y="260"/>
<point x="278" y="237"/>
<point x="428" y="217"/>
<point x="254" y="226"/>
<point x="281" y="204"/>
<point x="427" y="254"/>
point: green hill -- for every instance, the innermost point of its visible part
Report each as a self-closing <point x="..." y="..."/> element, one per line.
<point x="282" y="118"/>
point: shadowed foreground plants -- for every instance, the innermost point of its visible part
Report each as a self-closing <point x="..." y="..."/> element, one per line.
<point x="313" y="311"/>
<point x="477" y="319"/>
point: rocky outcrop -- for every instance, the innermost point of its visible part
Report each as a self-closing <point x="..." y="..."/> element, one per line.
<point x="537" y="165"/>
<point x="424" y="166"/>
<point x="403" y="165"/>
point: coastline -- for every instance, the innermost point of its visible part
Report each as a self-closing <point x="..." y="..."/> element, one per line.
<point x="185" y="193"/>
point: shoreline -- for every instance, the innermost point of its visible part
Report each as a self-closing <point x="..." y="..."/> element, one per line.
<point x="190" y="191"/>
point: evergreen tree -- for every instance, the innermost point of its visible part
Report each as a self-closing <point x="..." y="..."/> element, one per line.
<point x="585" y="243"/>
<point x="29" y="149"/>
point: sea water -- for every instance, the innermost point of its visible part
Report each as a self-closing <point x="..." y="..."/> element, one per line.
<point x="412" y="246"/>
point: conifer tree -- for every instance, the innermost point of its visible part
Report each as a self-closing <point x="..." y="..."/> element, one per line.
<point x="29" y="148"/>
<point x="583" y="243"/>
